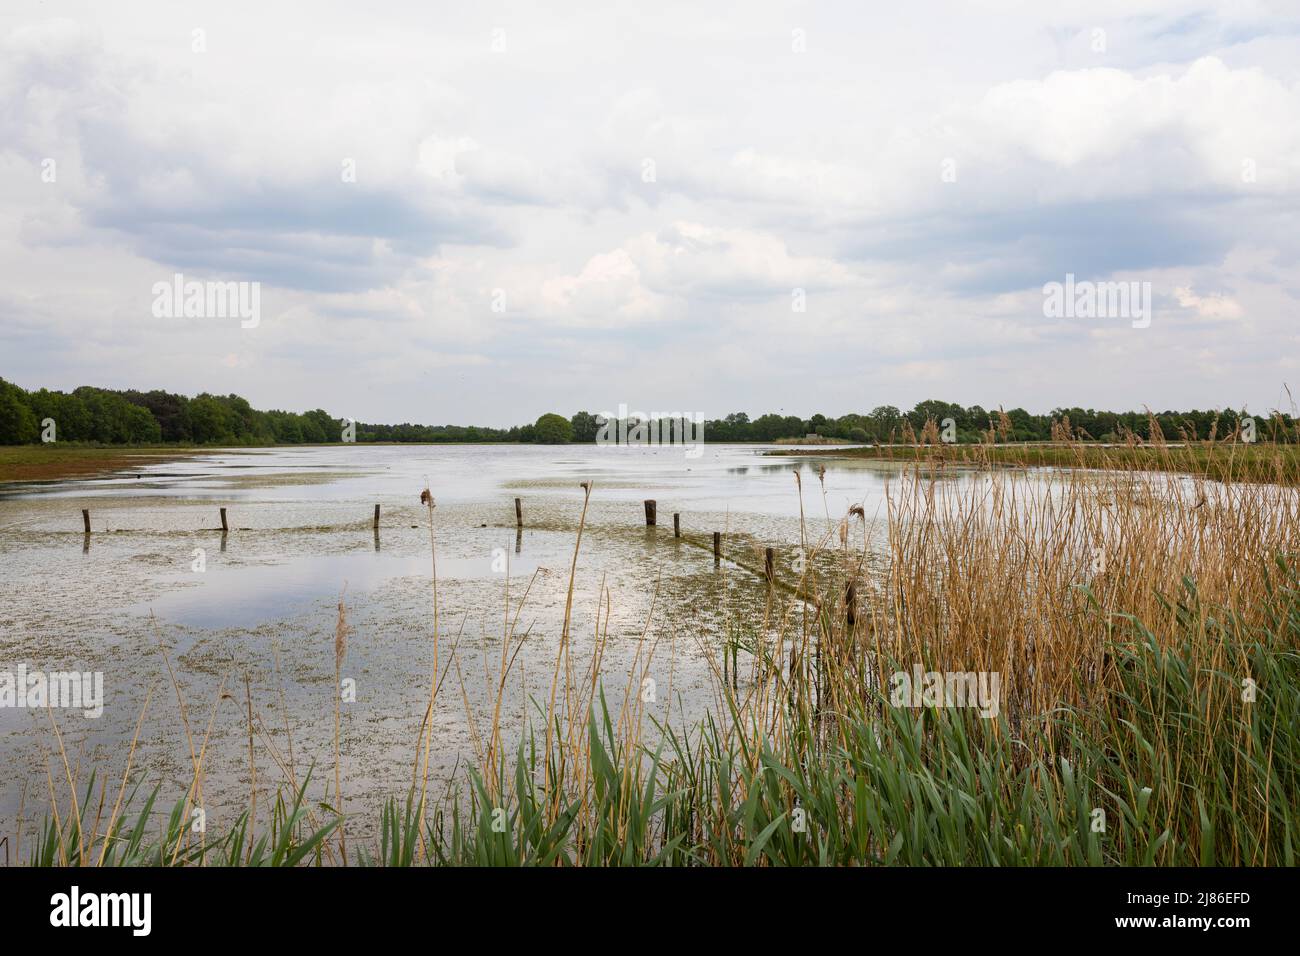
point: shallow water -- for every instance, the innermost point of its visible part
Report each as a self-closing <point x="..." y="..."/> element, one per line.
<point x="259" y="603"/>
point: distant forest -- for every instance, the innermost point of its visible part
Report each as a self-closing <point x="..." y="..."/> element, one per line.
<point x="108" y="416"/>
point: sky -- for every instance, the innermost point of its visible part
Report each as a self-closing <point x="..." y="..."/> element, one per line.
<point x="478" y="213"/>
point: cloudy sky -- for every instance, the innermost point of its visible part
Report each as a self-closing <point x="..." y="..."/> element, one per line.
<point x="479" y="212"/>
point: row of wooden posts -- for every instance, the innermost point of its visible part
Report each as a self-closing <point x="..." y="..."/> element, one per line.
<point x="225" y="526"/>
<point x="769" y="556"/>
<point x="651" y="509"/>
<point x="651" y="517"/>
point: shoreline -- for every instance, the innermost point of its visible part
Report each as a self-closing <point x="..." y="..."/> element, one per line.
<point x="1270" y="463"/>
<point x="27" y="463"/>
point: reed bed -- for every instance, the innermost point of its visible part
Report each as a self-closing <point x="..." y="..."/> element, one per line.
<point x="1228" y="459"/>
<point x="1144" y="627"/>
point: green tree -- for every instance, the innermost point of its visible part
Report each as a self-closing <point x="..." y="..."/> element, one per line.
<point x="770" y="427"/>
<point x="17" y="423"/>
<point x="322" y="427"/>
<point x="208" y="421"/>
<point x="71" y="418"/>
<point x="885" y="419"/>
<point x="552" y="429"/>
<point x="141" y="426"/>
<point x="584" y="427"/>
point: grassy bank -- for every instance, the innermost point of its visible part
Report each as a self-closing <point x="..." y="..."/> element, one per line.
<point x="1145" y="636"/>
<point x="1222" y="462"/>
<point x="66" y="460"/>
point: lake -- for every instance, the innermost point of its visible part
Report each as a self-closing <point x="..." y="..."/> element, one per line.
<point x="259" y="603"/>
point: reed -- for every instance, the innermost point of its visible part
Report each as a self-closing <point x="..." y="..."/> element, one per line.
<point x="340" y="653"/>
<point x="1223" y="460"/>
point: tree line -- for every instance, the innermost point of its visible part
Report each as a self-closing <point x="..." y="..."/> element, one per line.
<point x="109" y="416"/>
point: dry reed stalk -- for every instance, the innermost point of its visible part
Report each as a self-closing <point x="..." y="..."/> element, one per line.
<point x="284" y="708"/>
<point x="18" y="835"/>
<point x="340" y="652"/>
<point x="507" y="664"/>
<point x="193" y="790"/>
<point x="72" y="788"/>
<point x="426" y="499"/>
<point x="252" y="767"/>
<point x="99" y="812"/>
<point x="126" y="775"/>
<point x="564" y="645"/>
<point x="58" y="822"/>
<point x="180" y="703"/>
<point x="428" y="711"/>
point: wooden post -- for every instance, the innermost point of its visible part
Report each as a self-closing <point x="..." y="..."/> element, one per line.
<point x="649" y="512"/>
<point x="717" y="546"/>
<point x="85" y="519"/>
<point x="677" y="524"/>
<point x="224" y="526"/>
<point x="376" y="524"/>
<point x="519" y="513"/>
<point x="769" y="565"/>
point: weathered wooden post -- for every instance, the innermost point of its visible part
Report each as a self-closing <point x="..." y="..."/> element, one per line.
<point x="650" y="512"/>
<point x="519" y="513"/>
<point x="224" y="526"/>
<point x="717" y="546"/>
<point x="677" y="524"/>
<point x="769" y="565"/>
<point x="376" y="524"/>
<point x="85" y="519"/>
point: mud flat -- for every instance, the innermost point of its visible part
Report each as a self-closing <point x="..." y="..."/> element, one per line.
<point x="53" y="462"/>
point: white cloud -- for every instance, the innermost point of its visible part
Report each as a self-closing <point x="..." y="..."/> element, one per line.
<point x="1215" y="307"/>
<point x="608" y="291"/>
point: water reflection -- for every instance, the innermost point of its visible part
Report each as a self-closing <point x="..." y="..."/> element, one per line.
<point x="248" y="595"/>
